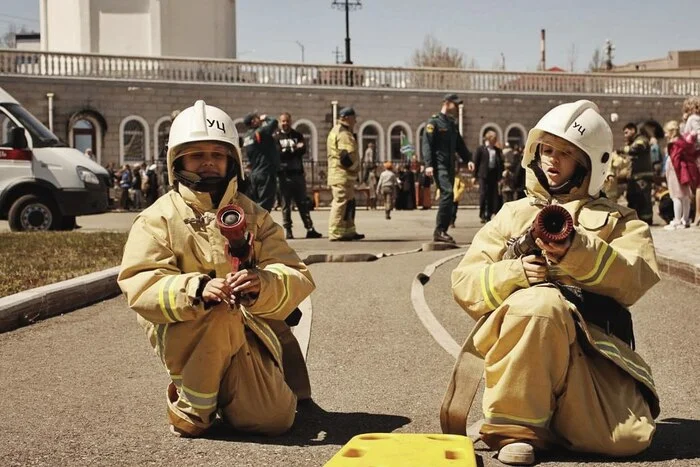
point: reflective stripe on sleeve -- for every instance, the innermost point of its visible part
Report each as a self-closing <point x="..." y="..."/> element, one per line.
<point x="604" y="260"/>
<point x="493" y="300"/>
<point x="282" y="273"/>
<point x="164" y="302"/>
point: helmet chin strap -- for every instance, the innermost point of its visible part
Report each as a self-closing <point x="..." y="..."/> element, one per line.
<point x="215" y="186"/>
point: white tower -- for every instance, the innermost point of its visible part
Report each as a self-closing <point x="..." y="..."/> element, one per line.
<point x="170" y="28"/>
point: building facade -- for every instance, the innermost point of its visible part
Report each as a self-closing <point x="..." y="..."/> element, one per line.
<point x="121" y="107"/>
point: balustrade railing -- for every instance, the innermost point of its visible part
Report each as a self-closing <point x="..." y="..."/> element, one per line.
<point x="68" y="65"/>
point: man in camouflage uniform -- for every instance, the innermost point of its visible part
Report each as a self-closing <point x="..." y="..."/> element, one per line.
<point x="639" y="185"/>
<point x="441" y="141"/>
<point x="343" y="167"/>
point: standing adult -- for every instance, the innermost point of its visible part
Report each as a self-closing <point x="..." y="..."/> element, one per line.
<point x="368" y="160"/>
<point x="343" y="166"/>
<point x="489" y="169"/>
<point x="441" y="140"/>
<point x="263" y="155"/>
<point x="292" y="182"/>
<point x="639" y="186"/>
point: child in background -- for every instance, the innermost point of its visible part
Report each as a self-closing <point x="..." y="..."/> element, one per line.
<point x="372" y="185"/>
<point x="386" y="187"/>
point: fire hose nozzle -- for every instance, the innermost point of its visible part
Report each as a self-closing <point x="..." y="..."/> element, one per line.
<point x="232" y="224"/>
<point x="553" y="224"/>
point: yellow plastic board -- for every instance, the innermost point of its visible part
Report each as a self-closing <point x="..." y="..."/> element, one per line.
<point x="405" y="450"/>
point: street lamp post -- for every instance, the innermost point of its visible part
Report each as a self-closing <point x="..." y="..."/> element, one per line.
<point x="347" y="5"/>
<point x="302" y="50"/>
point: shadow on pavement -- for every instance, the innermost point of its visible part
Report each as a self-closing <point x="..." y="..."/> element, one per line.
<point x="675" y="438"/>
<point x="316" y="427"/>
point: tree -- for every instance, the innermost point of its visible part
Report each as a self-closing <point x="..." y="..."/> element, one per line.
<point x="9" y="39"/>
<point x="596" y="61"/>
<point x="572" y="56"/>
<point x="435" y="54"/>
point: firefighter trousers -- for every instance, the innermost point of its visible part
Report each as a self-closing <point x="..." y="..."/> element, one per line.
<point x="341" y="220"/>
<point x="541" y="386"/>
<point x="293" y="189"/>
<point x="216" y="364"/>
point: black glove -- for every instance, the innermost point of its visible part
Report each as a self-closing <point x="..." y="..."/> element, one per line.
<point x="345" y="159"/>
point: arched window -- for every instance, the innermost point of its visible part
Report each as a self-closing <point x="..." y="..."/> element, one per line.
<point x="370" y="135"/>
<point x="419" y="140"/>
<point x="133" y="139"/>
<point x="371" y="131"/>
<point x="84" y="136"/>
<point x="162" y="133"/>
<point x="397" y="133"/>
<point x="490" y="127"/>
<point x="86" y="129"/>
<point x="515" y="135"/>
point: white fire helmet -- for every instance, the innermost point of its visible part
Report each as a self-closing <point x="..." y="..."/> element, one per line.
<point x="581" y="124"/>
<point x="203" y="122"/>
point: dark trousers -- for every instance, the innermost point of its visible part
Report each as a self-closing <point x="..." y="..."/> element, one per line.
<point x="488" y="195"/>
<point x="264" y="189"/>
<point x="293" y="189"/>
<point x="445" y="181"/>
<point x="639" y="199"/>
<point x="455" y="208"/>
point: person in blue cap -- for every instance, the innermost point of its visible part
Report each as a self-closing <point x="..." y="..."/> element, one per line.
<point x="263" y="155"/>
<point x="343" y="167"/>
<point x="441" y="140"/>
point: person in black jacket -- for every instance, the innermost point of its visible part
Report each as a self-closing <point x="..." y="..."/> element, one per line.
<point x="488" y="168"/>
<point x="263" y="155"/>
<point x="292" y="182"/>
<point x="441" y="141"/>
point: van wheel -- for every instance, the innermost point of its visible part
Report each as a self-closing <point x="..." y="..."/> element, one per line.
<point x="32" y="212"/>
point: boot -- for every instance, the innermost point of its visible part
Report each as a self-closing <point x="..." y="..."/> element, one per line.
<point x="517" y="454"/>
<point x="442" y="236"/>
<point x="289" y="235"/>
<point x="387" y="215"/>
<point x="295" y="373"/>
<point x="311" y="233"/>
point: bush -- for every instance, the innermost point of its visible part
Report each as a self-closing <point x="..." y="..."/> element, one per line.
<point x="33" y="259"/>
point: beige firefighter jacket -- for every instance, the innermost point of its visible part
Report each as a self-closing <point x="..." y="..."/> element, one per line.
<point x="341" y="138"/>
<point x="612" y="254"/>
<point x="175" y="244"/>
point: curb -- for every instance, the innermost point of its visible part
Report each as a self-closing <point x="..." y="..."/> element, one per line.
<point x="30" y="306"/>
<point x="686" y="272"/>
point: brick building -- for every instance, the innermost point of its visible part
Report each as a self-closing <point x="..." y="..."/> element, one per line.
<point x="121" y="106"/>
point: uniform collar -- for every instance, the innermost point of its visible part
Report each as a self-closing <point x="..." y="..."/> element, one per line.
<point x="202" y="201"/>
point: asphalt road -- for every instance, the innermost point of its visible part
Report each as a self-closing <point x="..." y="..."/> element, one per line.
<point x="86" y="389"/>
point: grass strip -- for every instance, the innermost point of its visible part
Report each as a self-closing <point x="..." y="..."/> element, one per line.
<point x="33" y="259"/>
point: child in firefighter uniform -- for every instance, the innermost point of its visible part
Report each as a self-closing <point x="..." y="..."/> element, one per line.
<point x="559" y="367"/>
<point x="219" y="334"/>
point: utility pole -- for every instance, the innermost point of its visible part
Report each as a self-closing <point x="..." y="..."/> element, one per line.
<point x="337" y="53"/>
<point x="503" y="61"/>
<point x="347" y="5"/>
<point x="609" y="48"/>
<point x="302" y="50"/>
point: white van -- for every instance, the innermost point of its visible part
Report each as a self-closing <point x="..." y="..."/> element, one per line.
<point x="43" y="183"/>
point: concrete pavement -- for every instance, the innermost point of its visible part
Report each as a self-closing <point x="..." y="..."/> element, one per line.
<point x="86" y="389"/>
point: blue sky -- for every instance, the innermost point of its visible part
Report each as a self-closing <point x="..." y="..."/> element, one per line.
<point x="386" y="32"/>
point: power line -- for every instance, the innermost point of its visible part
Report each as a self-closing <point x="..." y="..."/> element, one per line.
<point x="23" y="18"/>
